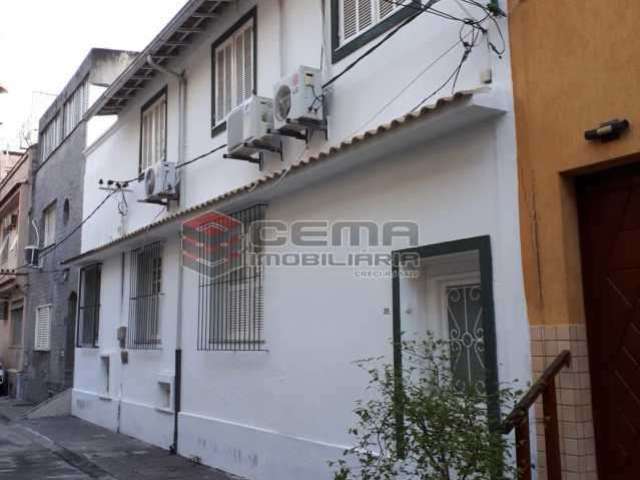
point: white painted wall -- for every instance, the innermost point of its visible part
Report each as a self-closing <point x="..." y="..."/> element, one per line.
<point x="352" y="105"/>
<point x="282" y="414"/>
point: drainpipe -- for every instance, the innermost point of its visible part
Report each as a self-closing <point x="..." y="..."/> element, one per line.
<point x="182" y="121"/>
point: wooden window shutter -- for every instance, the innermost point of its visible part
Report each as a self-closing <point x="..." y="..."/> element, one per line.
<point x="349" y="19"/>
<point x="237" y="312"/>
<point x="228" y="79"/>
<point x="220" y="85"/>
<point x="386" y="8"/>
<point x="238" y="48"/>
<point x="248" y="62"/>
<point x="43" y="329"/>
<point x="365" y="14"/>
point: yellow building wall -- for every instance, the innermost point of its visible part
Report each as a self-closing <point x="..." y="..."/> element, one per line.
<point x="576" y="64"/>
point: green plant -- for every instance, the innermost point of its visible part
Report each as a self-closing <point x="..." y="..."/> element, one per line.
<point x="422" y="423"/>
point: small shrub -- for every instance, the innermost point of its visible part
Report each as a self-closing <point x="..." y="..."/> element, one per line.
<point x="446" y="429"/>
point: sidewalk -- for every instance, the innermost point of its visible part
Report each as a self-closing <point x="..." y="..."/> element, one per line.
<point x="69" y="448"/>
<point x="12" y="410"/>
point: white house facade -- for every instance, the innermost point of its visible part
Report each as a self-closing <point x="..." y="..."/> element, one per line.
<point x="252" y="372"/>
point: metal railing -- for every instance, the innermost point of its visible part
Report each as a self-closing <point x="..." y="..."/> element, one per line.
<point x="144" y="301"/>
<point x="89" y="307"/>
<point x="230" y="293"/>
<point x="518" y="419"/>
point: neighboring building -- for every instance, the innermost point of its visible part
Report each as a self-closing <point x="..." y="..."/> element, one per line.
<point x="8" y="159"/>
<point x="15" y="200"/>
<point x="580" y="213"/>
<point x="56" y="211"/>
<point x="253" y="372"/>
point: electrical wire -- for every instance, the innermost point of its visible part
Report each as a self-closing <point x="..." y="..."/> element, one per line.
<point x="408" y="85"/>
<point x="200" y="157"/>
<point x="124" y="183"/>
<point x="77" y="227"/>
<point x="454" y="76"/>
<point x="372" y="49"/>
<point x="428" y="8"/>
<point x="420" y="9"/>
<point x="66" y="237"/>
<point x="414" y="5"/>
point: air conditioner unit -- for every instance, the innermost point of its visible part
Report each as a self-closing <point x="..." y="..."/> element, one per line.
<point x="160" y="183"/>
<point x="248" y="126"/>
<point x="297" y="101"/>
<point x="32" y="255"/>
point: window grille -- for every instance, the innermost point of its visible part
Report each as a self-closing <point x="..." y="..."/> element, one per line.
<point x="154" y="133"/>
<point x="233" y="67"/>
<point x="89" y="310"/>
<point x="144" y="306"/>
<point x="43" y="329"/>
<point x="230" y="299"/>
<point x="17" y="309"/>
<point x="466" y="334"/>
<point x="357" y="16"/>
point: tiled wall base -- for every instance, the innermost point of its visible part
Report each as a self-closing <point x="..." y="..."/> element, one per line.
<point x="573" y="385"/>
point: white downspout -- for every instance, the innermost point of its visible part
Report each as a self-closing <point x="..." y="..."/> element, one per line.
<point x="182" y="144"/>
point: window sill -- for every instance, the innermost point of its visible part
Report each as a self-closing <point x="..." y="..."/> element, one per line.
<point x="166" y="411"/>
<point x="218" y="129"/>
<point x="105" y="397"/>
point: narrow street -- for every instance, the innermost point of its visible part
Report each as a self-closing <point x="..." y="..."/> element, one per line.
<point x="66" y="448"/>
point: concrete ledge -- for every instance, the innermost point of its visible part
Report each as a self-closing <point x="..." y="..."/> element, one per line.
<point x="254" y="452"/>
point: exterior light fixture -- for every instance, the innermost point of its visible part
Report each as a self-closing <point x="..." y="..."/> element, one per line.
<point x="608" y="131"/>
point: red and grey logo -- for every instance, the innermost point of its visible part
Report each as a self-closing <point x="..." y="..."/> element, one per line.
<point x="213" y="244"/>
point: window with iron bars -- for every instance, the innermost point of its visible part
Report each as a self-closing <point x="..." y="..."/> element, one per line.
<point x="144" y="303"/>
<point x="230" y="297"/>
<point x="89" y="310"/>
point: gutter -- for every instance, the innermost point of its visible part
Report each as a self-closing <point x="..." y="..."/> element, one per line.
<point x="182" y="120"/>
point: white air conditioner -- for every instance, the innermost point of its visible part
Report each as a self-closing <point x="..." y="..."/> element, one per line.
<point x="248" y="126"/>
<point x="297" y="100"/>
<point x="161" y="182"/>
<point x="32" y="255"/>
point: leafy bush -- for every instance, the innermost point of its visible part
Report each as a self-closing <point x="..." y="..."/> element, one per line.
<point x="446" y="428"/>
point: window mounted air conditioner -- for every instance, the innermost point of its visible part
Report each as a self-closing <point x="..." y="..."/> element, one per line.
<point x="160" y="183"/>
<point x="32" y="256"/>
<point x="248" y="126"/>
<point x="297" y="100"/>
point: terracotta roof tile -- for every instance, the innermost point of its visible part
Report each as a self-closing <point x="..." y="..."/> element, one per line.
<point x="270" y="177"/>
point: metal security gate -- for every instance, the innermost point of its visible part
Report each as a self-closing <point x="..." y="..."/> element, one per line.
<point x="230" y="293"/>
<point x="145" y="293"/>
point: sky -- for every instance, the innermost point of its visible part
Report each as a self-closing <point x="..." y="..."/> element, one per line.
<point x="43" y="42"/>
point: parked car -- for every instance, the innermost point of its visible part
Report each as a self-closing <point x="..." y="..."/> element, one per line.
<point x="3" y="381"/>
